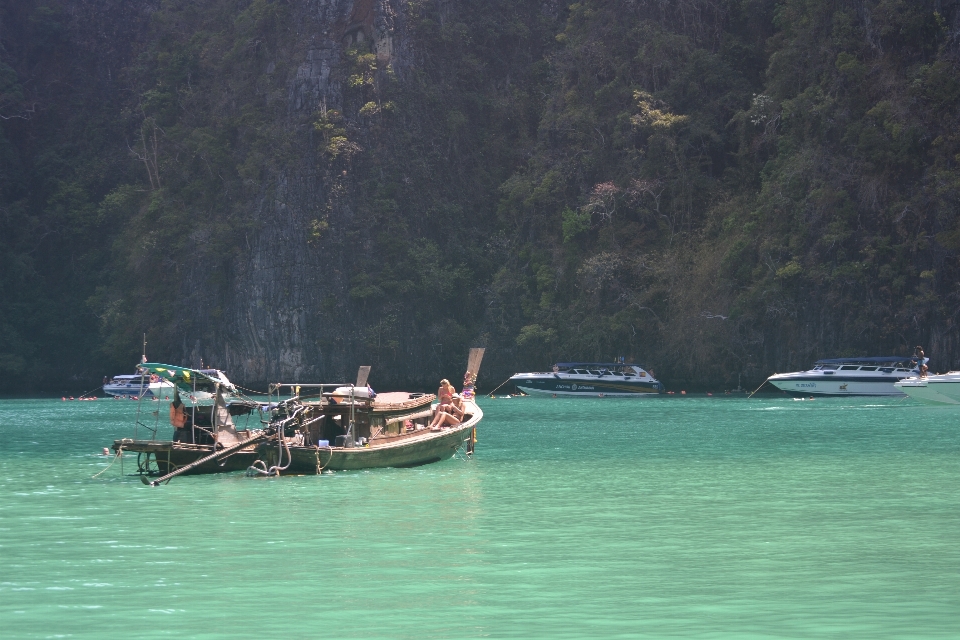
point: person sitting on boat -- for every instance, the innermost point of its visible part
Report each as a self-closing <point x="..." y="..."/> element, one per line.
<point x="444" y="395"/>
<point x="921" y="356"/>
<point x="456" y="406"/>
<point x="451" y="414"/>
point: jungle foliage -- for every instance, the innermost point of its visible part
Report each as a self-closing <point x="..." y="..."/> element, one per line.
<point x="716" y="188"/>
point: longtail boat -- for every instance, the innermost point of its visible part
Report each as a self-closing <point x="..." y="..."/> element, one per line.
<point x="321" y="427"/>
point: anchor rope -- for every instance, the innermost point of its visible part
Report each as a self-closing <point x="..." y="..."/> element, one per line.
<point x="319" y="467"/>
<point x="498" y="386"/>
<point x="119" y="453"/>
<point x="85" y="393"/>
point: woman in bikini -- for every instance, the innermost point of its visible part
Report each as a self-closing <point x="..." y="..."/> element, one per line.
<point x="447" y="411"/>
<point x="445" y="394"/>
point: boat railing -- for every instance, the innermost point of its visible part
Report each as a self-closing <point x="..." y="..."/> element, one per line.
<point x="276" y="386"/>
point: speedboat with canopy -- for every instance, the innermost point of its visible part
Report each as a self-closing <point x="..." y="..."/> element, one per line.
<point x="609" y="379"/>
<point x="137" y="385"/>
<point x="869" y="376"/>
<point x="942" y="388"/>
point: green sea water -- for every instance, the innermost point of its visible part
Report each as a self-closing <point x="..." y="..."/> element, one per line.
<point x="697" y="517"/>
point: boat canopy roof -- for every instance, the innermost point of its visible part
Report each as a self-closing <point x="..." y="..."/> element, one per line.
<point x="184" y="376"/>
<point x="608" y="365"/>
<point x="869" y="360"/>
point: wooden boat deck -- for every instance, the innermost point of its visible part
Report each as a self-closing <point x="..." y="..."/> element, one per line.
<point x="400" y="400"/>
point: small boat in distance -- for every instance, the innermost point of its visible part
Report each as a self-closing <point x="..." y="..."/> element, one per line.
<point x="872" y="376"/>
<point x="608" y="379"/>
<point x="139" y="385"/>
<point x="942" y="388"/>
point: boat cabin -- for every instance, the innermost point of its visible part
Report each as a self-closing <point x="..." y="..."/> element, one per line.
<point x="600" y="369"/>
<point x="884" y="364"/>
<point x="326" y="420"/>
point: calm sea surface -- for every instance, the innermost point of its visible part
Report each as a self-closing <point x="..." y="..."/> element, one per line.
<point x="661" y="517"/>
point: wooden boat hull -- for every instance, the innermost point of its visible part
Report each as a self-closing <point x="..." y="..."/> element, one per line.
<point x="160" y="457"/>
<point x="157" y="457"/>
<point x="412" y="452"/>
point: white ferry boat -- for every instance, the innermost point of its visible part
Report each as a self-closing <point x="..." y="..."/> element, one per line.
<point x="942" y="388"/>
<point x="874" y="376"/>
<point x="137" y="385"/>
<point x="609" y="379"/>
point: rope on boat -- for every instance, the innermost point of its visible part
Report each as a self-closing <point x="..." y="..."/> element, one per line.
<point x="86" y="393"/>
<point x="498" y="386"/>
<point x="139" y="402"/>
<point x="277" y="468"/>
<point x="757" y="389"/>
<point x="119" y="453"/>
<point x="259" y="393"/>
<point x="320" y="467"/>
<point x="467" y="450"/>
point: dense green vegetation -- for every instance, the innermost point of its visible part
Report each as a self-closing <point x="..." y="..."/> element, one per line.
<point x="714" y="187"/>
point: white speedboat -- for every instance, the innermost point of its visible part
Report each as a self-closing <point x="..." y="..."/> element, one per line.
<point x="943" y="388"/>
<point x="138" y="386"/>
<point x="873" y="376"/>
<point x="608" y="379"/>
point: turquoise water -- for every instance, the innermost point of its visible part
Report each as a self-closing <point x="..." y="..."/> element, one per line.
<point x="661" y="517"/>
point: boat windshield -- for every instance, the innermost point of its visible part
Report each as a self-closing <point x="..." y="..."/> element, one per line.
<point x="849" y="367"/>
<point x="868" y="368"/>
<point x="829" y="367"/>
<point x="594" y="372"/>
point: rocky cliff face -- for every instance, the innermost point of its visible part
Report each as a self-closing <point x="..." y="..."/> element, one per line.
<point x="285" y="311"/>
<point x="288" y="189"/>
<point x="451" y="177"/>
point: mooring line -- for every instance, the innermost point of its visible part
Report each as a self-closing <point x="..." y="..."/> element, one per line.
<point x="119" y="453"/>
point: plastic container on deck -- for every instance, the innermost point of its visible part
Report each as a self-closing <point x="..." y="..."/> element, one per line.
<point x="323" y="443"/>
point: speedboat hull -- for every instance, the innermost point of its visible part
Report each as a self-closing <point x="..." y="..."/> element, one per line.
<point x="804" y="384"/>
<point x="933" y="389"/>
<point x="151" y="390"/>
<point x="610" y="385"/>
<point x="840" y="377"/>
